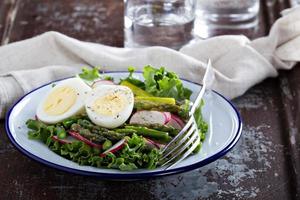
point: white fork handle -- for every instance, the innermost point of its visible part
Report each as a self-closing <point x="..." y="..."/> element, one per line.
<point x="208" y="80"/>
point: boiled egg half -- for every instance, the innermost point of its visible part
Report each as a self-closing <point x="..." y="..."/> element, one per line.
<point x="109" y="106"/>
<point x="64" y="100"/>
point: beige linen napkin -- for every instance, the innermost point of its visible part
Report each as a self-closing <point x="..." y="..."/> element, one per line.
<point x="238" y="62"/>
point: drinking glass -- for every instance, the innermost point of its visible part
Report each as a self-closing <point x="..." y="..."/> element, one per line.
<point x="225" y="14"/>
<point x="295" y="2"/>
<point x="168" y="23"/>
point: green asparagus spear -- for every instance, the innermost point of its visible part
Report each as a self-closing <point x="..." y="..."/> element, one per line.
<point x="147" y="132"/>
<point x="157" y="100"/>
<point x="92" y="137"/>
<point x="98" y="136"/>
<point x="136" y="90"/>
<point x="126" y="131"/>
<point x="172" y="131"/>
<point x="179" y="108"/>
<point x="93" y="128"/>
<point x="85" y="123"/>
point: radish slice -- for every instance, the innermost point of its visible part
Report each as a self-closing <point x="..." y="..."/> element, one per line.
<point x="154" y="144"/>
<point x="116" y="147"/>
<point x="168" y="116"/>
<point x="176" y="122"/>
<point x="68" y="140"/>
<point x="150" y="117"/>
<point x="83" y="139"/>
<point x="102" y="82"/>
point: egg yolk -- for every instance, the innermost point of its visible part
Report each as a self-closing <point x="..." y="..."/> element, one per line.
<point x="109" y="105"/>
<point x="60" y="100"/>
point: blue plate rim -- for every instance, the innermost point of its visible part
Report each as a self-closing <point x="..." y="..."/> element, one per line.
<point x="127" y="176"/>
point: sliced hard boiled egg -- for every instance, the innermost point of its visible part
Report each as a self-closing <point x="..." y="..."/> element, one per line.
<point x="109" y="106"/>
<point x="63" y="101"/>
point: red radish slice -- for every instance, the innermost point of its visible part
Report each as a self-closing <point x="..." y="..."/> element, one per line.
<point x="154" y="144"/>
<point x="151" y="144"/>
<point x="150" y="117"/>
<point x="168" y="116"/>
<point x="116" y="147"/>
<point x="176" y="122"/>
<point x="62" y="141"/>
<point x="83" y="139"/>
<point x="102" y="82"/>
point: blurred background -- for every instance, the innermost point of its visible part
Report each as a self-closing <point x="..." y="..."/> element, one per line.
<point x="102" y="21"/>
<point x="261" y="166"/>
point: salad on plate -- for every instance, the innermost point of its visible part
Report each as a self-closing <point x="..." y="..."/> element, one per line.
<point x="93" y="120"/>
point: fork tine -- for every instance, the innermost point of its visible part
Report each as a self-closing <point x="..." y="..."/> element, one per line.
<point x="186" y="145"/>
<point x="187" y="153"/>
<point x="185" y="128"/>
<point x="181" y="141"/>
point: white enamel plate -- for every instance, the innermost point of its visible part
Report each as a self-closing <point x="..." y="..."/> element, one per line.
<point x="225" y="128"/>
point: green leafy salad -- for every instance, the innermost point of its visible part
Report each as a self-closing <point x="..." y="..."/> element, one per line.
<point x="93" y="120"/>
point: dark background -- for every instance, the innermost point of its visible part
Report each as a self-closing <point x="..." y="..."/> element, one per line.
<point x="264" y="164"/>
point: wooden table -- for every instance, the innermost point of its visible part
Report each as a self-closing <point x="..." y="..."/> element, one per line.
<point x="264" y="164"/>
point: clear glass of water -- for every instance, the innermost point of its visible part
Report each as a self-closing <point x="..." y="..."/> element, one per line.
<point x="168" y="23"/>
<point x="295" y="2"/>
<point x="225" y="14"/>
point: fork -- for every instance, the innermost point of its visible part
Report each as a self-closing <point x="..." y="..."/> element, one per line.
<point x="186" y="141"/>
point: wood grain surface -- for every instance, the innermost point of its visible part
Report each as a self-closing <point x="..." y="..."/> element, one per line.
<point x="263" y="165"/>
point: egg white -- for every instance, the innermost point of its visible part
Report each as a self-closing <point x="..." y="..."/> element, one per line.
<point x="77" y="107"/>
<point x="109" y="106"/>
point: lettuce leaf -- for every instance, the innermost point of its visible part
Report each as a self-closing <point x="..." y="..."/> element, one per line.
<point x="135" y="154"/>
<point x="133" y="80"/>
<point x="93" y="74"/>
<point x="89" y="74"/>
<point x="202" y="125"/>
<point x="162" y="83"/>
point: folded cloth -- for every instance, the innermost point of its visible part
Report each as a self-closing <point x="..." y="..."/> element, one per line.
<point x="238" y="62"/>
